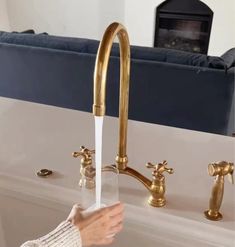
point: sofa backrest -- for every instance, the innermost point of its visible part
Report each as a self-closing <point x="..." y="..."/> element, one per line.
<point x="44" y="41"/>
<point x="224" y="62"/>
<point x="163" y="93"/>
<point x="175" y="94"/>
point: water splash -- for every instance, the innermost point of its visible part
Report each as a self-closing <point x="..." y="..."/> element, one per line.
<point x="98" y="157"/>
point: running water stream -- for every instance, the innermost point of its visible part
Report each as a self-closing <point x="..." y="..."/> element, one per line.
<point x="98" y="157"/>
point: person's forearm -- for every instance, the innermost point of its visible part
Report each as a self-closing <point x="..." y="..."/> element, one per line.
<point x="65" y="235"/>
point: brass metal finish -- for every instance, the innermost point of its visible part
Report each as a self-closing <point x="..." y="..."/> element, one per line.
<point x="218" y="170"/>
<point x="89" y="173"/>
<point x="157" y="186"/>
<point x="157" y="199"/>
<point x="100" y="74"/>
<point x="44" y="173"/>
<point x="88" y="177"/>
<point x="86" y="155"/>
<point x="86" y="159"/>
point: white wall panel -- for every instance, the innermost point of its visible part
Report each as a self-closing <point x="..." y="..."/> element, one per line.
<point x="4" y="22"/>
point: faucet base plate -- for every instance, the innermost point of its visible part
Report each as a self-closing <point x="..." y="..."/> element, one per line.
<point x="213" y="216"/>
<point x="160" y="202"/>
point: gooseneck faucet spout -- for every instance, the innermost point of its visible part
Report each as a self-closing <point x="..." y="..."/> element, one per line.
<point x="156" y="187"/>
<point x="100" y="74"/>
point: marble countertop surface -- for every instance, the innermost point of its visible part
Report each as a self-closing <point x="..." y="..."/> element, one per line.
<point x="35" y="136"/>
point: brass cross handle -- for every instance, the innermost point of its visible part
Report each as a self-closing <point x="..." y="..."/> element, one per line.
<point x="159" y="168"/>
<point x="86" y="155"/>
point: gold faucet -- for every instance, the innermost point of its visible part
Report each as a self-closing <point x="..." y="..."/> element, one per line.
<point x="157" y="186"/>
<point x="219" y="170"/>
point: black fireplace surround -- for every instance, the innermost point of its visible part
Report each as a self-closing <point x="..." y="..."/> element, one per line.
<point x="183" y="25"/>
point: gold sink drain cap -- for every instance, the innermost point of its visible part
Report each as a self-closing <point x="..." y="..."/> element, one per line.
<point x="44" y="173"/>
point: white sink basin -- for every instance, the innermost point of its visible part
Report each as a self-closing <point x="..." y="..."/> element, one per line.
<point x="29" y="210"/>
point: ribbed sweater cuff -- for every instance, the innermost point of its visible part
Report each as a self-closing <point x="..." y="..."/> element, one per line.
<point x="65" y="235"/>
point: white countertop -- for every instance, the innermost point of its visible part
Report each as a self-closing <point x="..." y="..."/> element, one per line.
<point x="35" y="136"/>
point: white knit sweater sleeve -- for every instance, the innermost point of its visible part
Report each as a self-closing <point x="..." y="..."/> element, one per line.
<point x="65" y="235"/>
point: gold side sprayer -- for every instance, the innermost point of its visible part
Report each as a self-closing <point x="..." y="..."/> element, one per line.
<point x="218" y="170"/>
<point x="156" y="186"/>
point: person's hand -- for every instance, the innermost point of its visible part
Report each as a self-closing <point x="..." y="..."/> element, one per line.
<point x="100" y="226"/>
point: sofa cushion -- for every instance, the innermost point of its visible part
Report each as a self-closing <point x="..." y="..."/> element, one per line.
<point x="137" y="52"/>
<point x="216" y="63"/>
<point x="229" y="58"/>
<point x="148" y="53"/>
<point x="177" y="57"/>
<point x="195" y="59"/>
<point x="45" y="41"/>
<point x="165" y="55"/>
<point x="187" y="58"/>
<point x="93" y="45"/>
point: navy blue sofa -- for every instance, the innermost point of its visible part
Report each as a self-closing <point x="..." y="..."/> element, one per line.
<point x="168" y="87"/>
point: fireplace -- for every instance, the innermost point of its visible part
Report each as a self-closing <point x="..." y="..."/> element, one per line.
<point x="183" y="25"/>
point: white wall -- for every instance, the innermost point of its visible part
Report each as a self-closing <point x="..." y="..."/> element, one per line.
<point x="4" y="22"/>
<point x="89" y="18"/>
<point x="223" y="30"/>
<point x="79" y="18"/>
<point x="140" y="18"/>
<point x="110" y="11"/>
<point x="54" y="16"/>
<point x="139" y="21"/>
